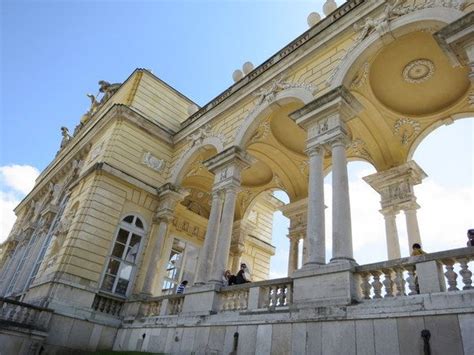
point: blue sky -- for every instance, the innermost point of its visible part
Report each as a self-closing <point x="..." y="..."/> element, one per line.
<point x="54" y="52"/>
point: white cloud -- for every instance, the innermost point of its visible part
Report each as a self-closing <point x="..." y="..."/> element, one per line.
<point x="20" y="178"/>
<point x="15" y="182"/>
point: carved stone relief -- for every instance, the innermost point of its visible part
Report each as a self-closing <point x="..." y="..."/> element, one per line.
<point x="407" y="129"/>
<point x="418" y="71"/>
<point x="268" y="93"/>
<point x="381" y="22"/>
<point x="153" y="162"/>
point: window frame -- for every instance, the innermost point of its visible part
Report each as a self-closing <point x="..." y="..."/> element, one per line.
<point x="131" y="229"/>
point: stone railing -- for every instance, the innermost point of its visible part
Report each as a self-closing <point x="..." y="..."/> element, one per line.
<point x="271" y="295"/>
<point x="235" y="298"/>
<point x="19" y="314"/>
<point x="168" y="305"/>
<point x="434" y="272"/>
<point x="175" y="304"/>
<point x="107" y="304"/>
<point x="277" y="293"/>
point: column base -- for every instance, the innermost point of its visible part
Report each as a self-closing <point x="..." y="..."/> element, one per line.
<point x="201" y="300"/>
<point x="343" y="260"/>
<point x="340" y="286"/>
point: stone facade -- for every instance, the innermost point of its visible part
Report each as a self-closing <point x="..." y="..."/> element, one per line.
<point x="150" y="190"/>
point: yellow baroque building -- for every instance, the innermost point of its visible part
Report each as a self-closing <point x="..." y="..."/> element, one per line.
<point x="150" y="190"/>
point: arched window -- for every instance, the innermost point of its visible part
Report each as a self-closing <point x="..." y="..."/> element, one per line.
<point x="123" y="258"/>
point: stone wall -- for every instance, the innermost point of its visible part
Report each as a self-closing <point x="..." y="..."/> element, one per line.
<point x="384" y="327"/>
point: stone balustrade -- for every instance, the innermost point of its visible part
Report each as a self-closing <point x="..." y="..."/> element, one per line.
<point x="234" y="298"/>
<point x="276" y="293"/>
<point x="175" y="304"/>
<point x="259" y="295"/>
<point x="434" y="272"/>
<point x="19" y="314"/>
<point x="107" y="304"/>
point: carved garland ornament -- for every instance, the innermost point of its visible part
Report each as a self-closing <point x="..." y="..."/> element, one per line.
<point x="153" y="162"/>
<point x="406" y="129"/>
<point x="268" y="94"/>
<point x="203" y="133"/>
<point x="418" y="71"/>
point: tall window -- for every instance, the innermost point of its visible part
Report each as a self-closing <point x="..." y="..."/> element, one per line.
<point x="122" y="261"/>
<point x="46" y="241"/>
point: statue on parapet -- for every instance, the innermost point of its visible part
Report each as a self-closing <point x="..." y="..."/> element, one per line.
<point x="66" y="136"/>
<point x="107" y="89"/>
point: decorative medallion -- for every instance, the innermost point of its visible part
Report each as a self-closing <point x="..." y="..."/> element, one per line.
<point x="418" y="71"/>
<point x="153" y="162"/>
<point x="406" y="129"/>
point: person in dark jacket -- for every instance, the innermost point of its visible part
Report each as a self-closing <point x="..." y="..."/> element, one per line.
<point x="243" y="276"/>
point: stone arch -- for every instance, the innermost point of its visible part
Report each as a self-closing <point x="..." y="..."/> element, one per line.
<point x="421" y="137"/>
<point x="402" y="25"/>
<point x="251" y="122"/>
<point x="178" y="170"/>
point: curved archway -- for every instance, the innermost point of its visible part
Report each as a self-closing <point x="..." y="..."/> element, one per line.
<point x="179" y="169"/>
<point x="416" y="20"/>
<point x="253" y="119"/>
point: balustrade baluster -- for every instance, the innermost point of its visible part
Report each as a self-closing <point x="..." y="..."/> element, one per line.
<point x="412" y="281"/>
<point x="388" y="283"/>
<point x="466" y="274"/>
<point x="274" y="296"/>
<point x="399" y="282"/>
<point x="451" y="276"/>
<point x="376" y="284"/>
<point x="365" y="285"/>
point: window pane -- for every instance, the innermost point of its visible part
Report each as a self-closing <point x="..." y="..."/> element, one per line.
<point x="118" y="250"/>
<point x="122" y="236"/>
<point x="132" y="251"/>
<point x="121" y="288"/>
<point x="108" y="283"/>
<point x="126" y="272"/>
<point x="113" y="267"/>
<point x="139" y="223"/>
<point x="128" y="219"/>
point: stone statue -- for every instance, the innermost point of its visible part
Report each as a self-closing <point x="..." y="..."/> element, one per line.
<point x="66" y="136"/>
<point x="107" y="89"/>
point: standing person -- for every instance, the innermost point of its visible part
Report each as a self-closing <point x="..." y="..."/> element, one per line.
<point x="181" y="287"/>
<point x="416" y="250"/>
<point x="470" y="237"/>
<point x="243" y="276"/>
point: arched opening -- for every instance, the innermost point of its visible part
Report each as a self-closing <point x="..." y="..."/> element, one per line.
<point x="446" y="196"/>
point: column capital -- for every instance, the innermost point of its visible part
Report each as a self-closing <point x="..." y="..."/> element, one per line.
<point x="327" y="115"/>
<point x="227" y="166"/>
<point x="389" y="211"/>
<point x="169" y="196"/>
<point x="315" y="150"/>
<point x="409" y="206"/>
<point x="395" y="185"/>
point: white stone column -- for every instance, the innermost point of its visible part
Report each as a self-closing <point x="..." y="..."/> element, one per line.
<point x="395" y="187"/>
<point x="315" y="228"/>
<point x="227" y="167"/>
<point x="341" y="211"/>
<point x="225" y="235"/>
<point x="391" y="233"/>
<point x="206" y="254"/>
<point x="158" y="235"/>
<point x="412" y="225"/>
<point x="325" y="119"/>
<point x="293" y="254"/>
